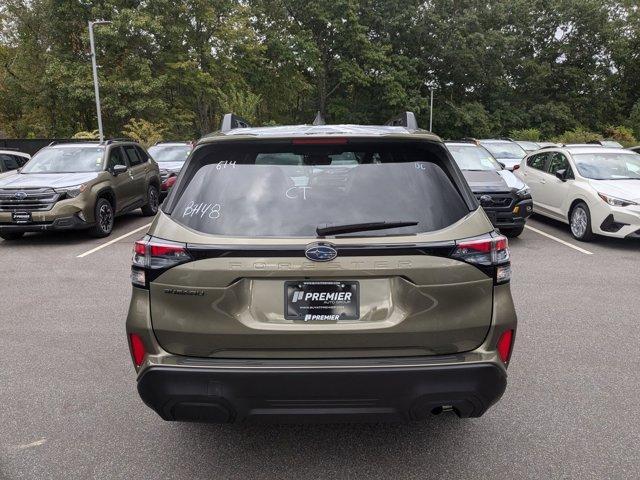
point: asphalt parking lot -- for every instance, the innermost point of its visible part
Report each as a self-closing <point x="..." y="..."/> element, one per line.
<point x="70" y="408"/>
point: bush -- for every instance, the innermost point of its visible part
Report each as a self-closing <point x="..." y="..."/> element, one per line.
<point x="144" y="132"/>
<point x="577" y="135"/>
<point x="94" y="135"/>
<point x="531" y="134"/>
<point x="622" y="135"/>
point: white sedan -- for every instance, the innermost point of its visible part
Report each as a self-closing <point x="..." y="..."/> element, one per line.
<point x="596" y="190"/>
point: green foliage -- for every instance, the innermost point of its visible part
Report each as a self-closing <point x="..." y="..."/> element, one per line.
<point x="531" y="134"/>
<point x="577" y="135"/>
<point x="497" y="67"/>
<point x="144" y="132"/>
<point x="621" y="134"/>
<point x="93" y="135"/>
<point x="243" y="103"/>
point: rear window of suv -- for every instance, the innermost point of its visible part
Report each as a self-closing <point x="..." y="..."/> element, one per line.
<point x="289" y="191"/>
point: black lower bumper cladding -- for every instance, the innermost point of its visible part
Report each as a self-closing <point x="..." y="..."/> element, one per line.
<point x="62" y="223"/>
<point x="399" y="393"/>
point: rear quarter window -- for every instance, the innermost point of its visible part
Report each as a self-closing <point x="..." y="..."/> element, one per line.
<point x="283" y="192"/>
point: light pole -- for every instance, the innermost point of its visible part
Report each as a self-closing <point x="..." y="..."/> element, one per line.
<point x="431" y="112"/>
<point x="95" y="73"/>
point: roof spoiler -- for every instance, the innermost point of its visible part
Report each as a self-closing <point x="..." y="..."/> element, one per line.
<point x="405" y="119"/>
<point x="231" y="121"/>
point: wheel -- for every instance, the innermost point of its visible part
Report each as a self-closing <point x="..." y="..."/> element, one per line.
<point x="580" y="223"/>
<point x="11" y="235"/>
<point x="104" y="219"/>
<point x="512" y="232"/>
<point x="153" y="199"/>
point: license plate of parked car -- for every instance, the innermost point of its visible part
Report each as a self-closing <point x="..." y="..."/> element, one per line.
<point x="21" y="217"/>
<point x="322" y="300"/>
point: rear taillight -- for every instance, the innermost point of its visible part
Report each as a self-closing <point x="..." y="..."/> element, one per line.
<point x="151" y="257"/>
<point x="489" y="252"/>
<point x="137" y="349"/>
<point x="505" y="345"/>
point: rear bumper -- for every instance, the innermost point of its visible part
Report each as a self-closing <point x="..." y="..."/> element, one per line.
<point x="357" y="390"/>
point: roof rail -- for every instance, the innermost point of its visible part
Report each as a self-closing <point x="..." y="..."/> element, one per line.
<point x="319" y="120"/>
<point x="405" y="119"/>
<point x="113" y="140"/>
<point x="231" y="121"/>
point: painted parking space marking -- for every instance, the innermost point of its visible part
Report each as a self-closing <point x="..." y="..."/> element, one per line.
<point x="559" y="240"/>
<point x="111" y="242"/>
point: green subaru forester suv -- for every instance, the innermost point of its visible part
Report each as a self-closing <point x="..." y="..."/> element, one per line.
<point x="78" y="186"/>
<point x="331" y="273"/>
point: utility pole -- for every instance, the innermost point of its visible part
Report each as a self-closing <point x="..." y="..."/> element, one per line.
<point x="94" y="64"/>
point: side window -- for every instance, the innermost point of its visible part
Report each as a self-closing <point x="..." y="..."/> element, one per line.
<point x="560" y="162"/>
<point x="132" y="155"/>
<point x="115" y="158"/>
<point x="537" y="161"/>
<point x="142" y="154"/>
<point x="11" y="162"/>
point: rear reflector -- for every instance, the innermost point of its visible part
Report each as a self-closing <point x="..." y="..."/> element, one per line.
<point x="137" y="349"/>
<point x="320" y="141"/>
<point x="504" y="345"/>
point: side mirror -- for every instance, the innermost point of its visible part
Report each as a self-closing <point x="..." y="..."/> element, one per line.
<point x="502" y="165"/>
<point x="560" y="174"/>
<point x="118" y="169"/>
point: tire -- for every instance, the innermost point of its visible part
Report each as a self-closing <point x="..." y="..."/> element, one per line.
<point x="153" y="200"/>
<point x="580" y="223"/>
<point x="104" y="216"/>
<point x="11" y="235"/>
<point x="512" y="232"/>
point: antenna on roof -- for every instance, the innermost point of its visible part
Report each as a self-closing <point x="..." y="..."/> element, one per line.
<point x="231" y="121"/>
<point x="319" y="120"/>
<point x="405" y="119"/>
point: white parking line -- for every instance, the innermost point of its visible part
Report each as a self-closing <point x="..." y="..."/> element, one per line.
<point x="111" y="242"/>
<point x="570" y="245"/>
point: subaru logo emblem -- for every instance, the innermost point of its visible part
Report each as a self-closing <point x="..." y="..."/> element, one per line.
<point x="486" y="200"/>
<point x="320" y="252"/>
<point x="20" y="195"/>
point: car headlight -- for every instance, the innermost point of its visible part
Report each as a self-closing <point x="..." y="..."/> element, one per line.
<point x="524" y="192"/>
<point x="73" y="191"/>
<point x="616" y="202"/>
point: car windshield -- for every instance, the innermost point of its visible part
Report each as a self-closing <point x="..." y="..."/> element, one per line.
<point x="66" y="160"/>
<point x="508" y="150"/>
<point x="170" y="153"/>
<point x="608" y="166"/>
<point x="472" y="157"/>
<point x="261" y="193"/>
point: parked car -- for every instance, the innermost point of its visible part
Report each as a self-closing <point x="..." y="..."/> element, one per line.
<point x="505" y="198"/>
<point x="12" y="159"/>
<point x="78" y="186"/>
<point x="596" y="190"/>
<point x="507" y="152"/>
<point x="286" y="277"/>
<point x="528" y="146"/>
<point x="170" y="157"/>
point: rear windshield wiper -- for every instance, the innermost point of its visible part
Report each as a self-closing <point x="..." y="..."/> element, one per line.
<point x="323" y="230"/>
